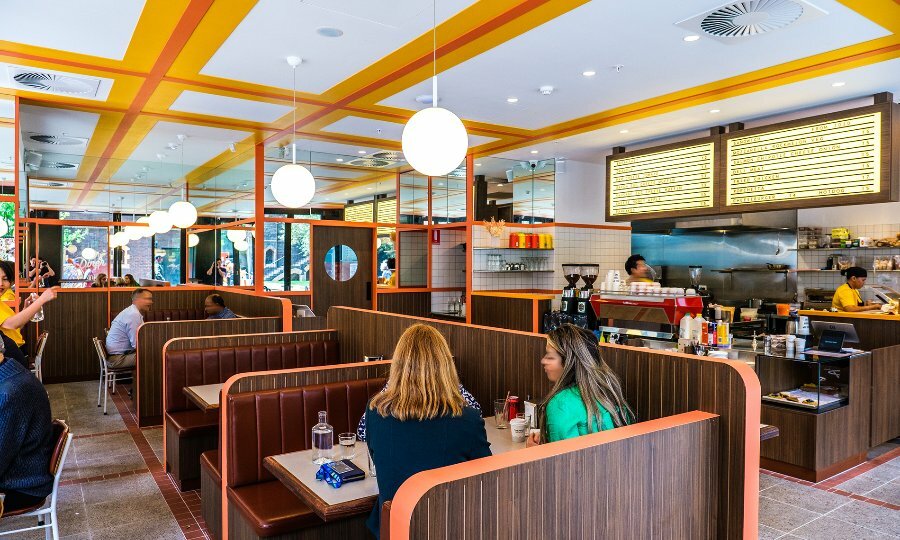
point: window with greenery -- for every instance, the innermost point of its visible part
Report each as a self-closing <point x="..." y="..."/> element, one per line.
<point x="84" y="255"/>
<point x="7" y="242"/>
<point x="299" y="270"/>
<point x="274" y="256"/>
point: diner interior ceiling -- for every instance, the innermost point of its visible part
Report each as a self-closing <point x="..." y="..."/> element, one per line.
<point x="216" y="72"/>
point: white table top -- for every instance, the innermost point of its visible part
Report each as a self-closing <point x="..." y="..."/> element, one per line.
<point x="300" y="469"/>
<point x="206" y="396"/>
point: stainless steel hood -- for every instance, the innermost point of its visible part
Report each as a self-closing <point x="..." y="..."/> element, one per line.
<point x="755" y="221"/>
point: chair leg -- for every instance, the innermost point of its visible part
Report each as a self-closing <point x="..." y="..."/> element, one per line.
<point x="114" y="383"/>
<point x="106" y="394"/>
<point x="53" y="531"/>
<point x="100" y="387"/>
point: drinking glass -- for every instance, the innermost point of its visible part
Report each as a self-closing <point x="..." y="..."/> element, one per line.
<point x="526" y="417"/>
<point x="348" y="445"/>
<point x="371" y="463"/>
<point x="500" y="414"/>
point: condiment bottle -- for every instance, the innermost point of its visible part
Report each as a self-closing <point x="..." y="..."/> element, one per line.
<point x="513" y="406"/>
<point x="513" y="240"/>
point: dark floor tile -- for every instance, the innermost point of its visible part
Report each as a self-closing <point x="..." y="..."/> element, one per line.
<point x="113" y="465"/>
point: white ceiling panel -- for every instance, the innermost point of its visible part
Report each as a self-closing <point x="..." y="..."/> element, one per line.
<point x="228" y="107"/>
<point x="7" y="107"/>
<point x="256" y="50"/>
<point x="72" y="26"/>
<point x="380" y="129"/>
<point x="595" y="37"/>
<point x="61" y="123"/>
<point x="7" y="147"/>
<point x="595" y="145"/>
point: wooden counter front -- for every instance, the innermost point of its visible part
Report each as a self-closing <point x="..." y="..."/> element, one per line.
<point x="511" y="310"/>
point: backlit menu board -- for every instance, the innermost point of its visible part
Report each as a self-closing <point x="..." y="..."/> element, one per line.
<point x="670" y="180"/>
<point x="835" y="158"/>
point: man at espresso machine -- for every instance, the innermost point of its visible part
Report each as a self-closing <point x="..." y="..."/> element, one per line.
<point x="638" y="270"/>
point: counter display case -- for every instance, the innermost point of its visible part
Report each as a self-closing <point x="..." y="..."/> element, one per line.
<point x="805" y="381"/>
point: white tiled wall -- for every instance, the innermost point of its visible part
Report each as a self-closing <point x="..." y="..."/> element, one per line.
<point x="413" y="258"/>
<point x="448" y="260"/>
<point x="815" y="259"/>
<point x="607" y="247"/>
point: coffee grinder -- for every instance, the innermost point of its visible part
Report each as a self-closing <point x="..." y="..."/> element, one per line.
<point x="701" y="289"/>
<point x="572" y="273"/>
<point x="584" y="313"/>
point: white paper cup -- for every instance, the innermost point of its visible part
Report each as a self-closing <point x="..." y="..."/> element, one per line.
<point x="518" y="430"/>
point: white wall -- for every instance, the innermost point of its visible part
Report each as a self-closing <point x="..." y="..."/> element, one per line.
<point x="581" y="193"/>
<point x="838" y="216"/>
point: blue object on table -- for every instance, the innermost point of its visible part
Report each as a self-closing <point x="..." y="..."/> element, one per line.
<point x="335" y="473"/>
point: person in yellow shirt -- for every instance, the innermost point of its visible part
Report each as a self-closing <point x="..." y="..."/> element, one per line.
<point x="637" y="269"/>
<point x="846" y="297"/>
<point x="392" y="267"/>
<point x="11" y="322"/>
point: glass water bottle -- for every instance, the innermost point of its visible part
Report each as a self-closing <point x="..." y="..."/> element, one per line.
<point x="39" y="316"/>
<point x="322" y="440"/>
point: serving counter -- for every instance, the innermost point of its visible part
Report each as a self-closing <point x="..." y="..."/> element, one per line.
<point x="511" y="310"/>
<point x="879" y="334"/>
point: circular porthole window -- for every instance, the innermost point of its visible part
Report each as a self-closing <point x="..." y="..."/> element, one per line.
<point x="341" y="263"/>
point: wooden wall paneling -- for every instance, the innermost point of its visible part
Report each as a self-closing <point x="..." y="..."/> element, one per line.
<point x="241" y="340"/>
<point x="258" y="381"/>
<point x="417" y="304"/>
<point x="154" y="335"/>
<point x="630" y="483"/>
<point x="72" y="320"/>
<point x="309" y="323"/>
<point x="873" y="333"/>
<point x="251" y="305"/>
<point x="163" y="298"/>
<point x="885" y="424"/>
<point x="502" y="312"/>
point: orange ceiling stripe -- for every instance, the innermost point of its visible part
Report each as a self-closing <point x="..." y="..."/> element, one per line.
<point x="189" y="20"/>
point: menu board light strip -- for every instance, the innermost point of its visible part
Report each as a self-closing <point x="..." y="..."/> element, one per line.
<point x="676" y="179"/>
<point x="825" y="159"/>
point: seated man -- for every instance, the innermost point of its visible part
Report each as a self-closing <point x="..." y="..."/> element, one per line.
<point x="26" y="437"/>
<point x="214" y="305"/>
<point x="121" y="343"/>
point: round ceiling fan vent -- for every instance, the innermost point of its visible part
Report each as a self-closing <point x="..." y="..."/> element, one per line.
<point x="742" y="19"/>
<point x="49" y="82"/>
<point x="387" y="154"/>
<point x="53" y="139"/>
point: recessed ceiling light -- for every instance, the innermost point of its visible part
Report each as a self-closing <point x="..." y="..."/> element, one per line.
<point x="329" y="31"/>
<point x="690" y="38"/>
<point x="478" y="164"/>
<point x="370" y="189"/>
<point x="713" y="111"/>
<point x="623" y="131"/>
<point x="512" y="100"/>
<point x="589" y="73"/>
<point x="440" y="183"/>
<point x="838" y="84"/>
<point x="361" y="152"/>
<point x="340" y="160"/>
<point x="534" y="151"/>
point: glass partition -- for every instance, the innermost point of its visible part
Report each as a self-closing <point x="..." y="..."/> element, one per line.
<point x="413" y="199"/>
<point x="84" y="256"/>
<point x="167" y="257"/>
<point x="448" y="197"/>
<point x="514" y="191"/>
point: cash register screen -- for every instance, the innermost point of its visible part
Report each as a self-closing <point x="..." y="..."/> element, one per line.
<point x="831" y="340"/>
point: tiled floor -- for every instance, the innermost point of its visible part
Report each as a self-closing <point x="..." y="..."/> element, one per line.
<point x="114" y="487"/>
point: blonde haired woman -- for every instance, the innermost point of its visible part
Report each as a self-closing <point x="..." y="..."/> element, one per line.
<point x="421" y="420"/>
<point x="586" y="396"/>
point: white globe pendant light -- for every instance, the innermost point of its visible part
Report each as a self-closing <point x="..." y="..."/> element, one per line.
<point x="236" y="235"/>
<point x="113" y="241"/>
<point x="193" y="240"/>
<point x="135" y="233"/>
<point x="146" y="232"/>
<point x="293" y="185"/>
<point x="241" y="245"/>
<point x="160" y="222"/>
<point x="183" y="214"/>
<point x="120" y="239"/>
<point x="89" y="254"/>
<point x="434" y="140"/>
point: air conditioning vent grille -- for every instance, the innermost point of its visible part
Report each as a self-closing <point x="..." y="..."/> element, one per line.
<point x="58" y="165"/>
<point x="735" y="22"/>
<point x="58" y="140"/>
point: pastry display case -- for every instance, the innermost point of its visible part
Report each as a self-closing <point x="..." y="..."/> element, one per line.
<point x="811" y="382"/>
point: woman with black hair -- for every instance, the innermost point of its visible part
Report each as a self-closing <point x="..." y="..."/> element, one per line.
<point x="846" y="297"/>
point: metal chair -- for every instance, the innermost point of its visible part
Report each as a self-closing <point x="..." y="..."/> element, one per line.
<point x="108" y="375"/>
<point x="39" y="355"/>
<point x="47" y="508"/>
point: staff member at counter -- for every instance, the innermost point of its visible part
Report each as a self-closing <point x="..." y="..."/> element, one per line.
<point x="637" y="269"/>
<point x="846" y="297"/>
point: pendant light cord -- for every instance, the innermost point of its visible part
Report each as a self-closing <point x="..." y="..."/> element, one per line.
<point x="294" y="117"/>
<point x="434" y="96"/>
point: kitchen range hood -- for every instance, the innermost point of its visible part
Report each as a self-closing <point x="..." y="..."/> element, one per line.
<point x="752" y="221"/>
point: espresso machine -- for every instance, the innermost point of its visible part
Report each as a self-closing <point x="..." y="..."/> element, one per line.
<point x="572" y="273"/>
<point x="702" y="290"/>
<point x="574" y="305"/>
<point x="584" y="315"/>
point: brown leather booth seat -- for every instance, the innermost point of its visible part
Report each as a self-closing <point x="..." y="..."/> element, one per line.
<point x="272" y="422"/>
<point x="190" y="431"/>
<point x="193" y="314"/>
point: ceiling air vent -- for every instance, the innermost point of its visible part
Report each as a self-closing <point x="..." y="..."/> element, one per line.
<point x="58" y="165"/>
<point x="49" y="183"/>
<point x="53" y="83"/>
<point x="61" y="140"/>
<point x="369" y="162"/>
<point x="738" y="21"/>
<point x="392" y="156"/>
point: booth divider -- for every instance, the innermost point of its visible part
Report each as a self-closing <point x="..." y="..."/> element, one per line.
<point x="657" y="384"/>
<point x="655" y="479"/>
<point x="153" y="336"/>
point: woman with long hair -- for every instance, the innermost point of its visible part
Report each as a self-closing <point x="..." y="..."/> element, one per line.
<point x="586" y="396"/>
<point x="421" y="420"/>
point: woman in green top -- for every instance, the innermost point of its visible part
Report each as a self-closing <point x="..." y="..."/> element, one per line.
<point x="586" y="396"/>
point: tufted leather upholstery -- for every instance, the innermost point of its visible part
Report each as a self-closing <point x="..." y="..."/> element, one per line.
<point x="211" y="366"/>
<point x="272" y="422"/>
<point x="190" y="314"/>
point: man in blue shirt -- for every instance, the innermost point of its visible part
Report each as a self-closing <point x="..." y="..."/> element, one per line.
<point x="214" y="305"/>
<point x="26" y="437"/>
<point x="121" y="343"/>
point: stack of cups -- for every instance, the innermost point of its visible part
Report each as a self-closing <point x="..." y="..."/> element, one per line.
<point x="519" y="428"/>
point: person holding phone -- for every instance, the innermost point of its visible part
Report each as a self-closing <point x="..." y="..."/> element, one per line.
<point x="218" y="271"/>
